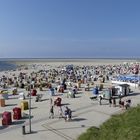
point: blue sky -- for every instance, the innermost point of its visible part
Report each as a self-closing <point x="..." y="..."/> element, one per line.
<point x="69" y="28"/>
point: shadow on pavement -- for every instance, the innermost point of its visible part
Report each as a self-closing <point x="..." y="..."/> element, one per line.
<point x="17" y="122"/>
<point x="32" y="132"/>
<point x="134" y="94"/>
<point x="65" y="104"/>
<point x="64" y="128"/>
<point x="78" y="119"/>
<point x="34" y="107"/>
<point x="44" y="100"/>
<point x="78" y="96"/>
<point x="10" y="104"/>
<point x="3" y="127"/>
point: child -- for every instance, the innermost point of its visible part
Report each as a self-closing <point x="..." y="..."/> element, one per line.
<point x="120" y="103"/>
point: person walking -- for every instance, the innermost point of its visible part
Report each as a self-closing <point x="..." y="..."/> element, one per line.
<point x="60" y="111"/>
<point x="51" y="101"/>
<point x="68" y="114"/>
<point x="51" y="113"/>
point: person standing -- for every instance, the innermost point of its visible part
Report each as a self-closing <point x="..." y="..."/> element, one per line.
<point x="100" y="100"/>
<point x="110" y="101"/>
<point x="114" y="102"/>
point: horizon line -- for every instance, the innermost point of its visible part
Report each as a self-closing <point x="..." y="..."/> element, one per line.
<point x="71" y="58"/>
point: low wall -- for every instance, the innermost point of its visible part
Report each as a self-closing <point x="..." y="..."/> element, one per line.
<point x="120" y="82"/>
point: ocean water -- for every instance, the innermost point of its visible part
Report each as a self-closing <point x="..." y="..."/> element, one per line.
<point x="4" y="65"/>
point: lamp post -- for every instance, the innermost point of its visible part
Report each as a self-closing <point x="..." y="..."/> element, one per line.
<point x="30" y="110"/>
<point x="135" y="80"/>
<point x="137" y="74"/>
<point x="138" y="81"/>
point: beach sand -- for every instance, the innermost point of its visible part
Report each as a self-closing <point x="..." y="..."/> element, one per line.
<point x="86" y="113"/>
<point x="81" y="62"/>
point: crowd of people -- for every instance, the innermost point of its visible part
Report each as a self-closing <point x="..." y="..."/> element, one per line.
<point x="58" y="79"/>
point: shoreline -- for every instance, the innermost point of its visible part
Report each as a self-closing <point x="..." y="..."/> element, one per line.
<point x="64" y="61"/>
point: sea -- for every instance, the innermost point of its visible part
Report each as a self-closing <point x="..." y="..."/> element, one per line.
<point x="5" y="66"/>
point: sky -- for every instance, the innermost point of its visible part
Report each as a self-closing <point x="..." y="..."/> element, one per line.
<point x="69" y="29"/>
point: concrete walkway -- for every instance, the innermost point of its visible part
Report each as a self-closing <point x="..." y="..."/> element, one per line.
<point x="86" y="113"/>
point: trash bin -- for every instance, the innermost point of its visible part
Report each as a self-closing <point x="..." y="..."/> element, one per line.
<point x="23" y="130"/>
<point x="6" y="118"/>
<point x="16" y="113"/>
<point x="24" y="105"/>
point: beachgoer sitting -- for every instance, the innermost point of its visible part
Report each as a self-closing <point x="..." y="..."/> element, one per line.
<point x="127" y="104"/>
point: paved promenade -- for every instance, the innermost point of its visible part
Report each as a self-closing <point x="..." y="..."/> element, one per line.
<point x="86" y="113"/>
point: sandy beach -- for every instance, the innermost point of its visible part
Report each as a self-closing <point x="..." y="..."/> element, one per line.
<point x="72" y="61"/>
<point x="85" y="112"/>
